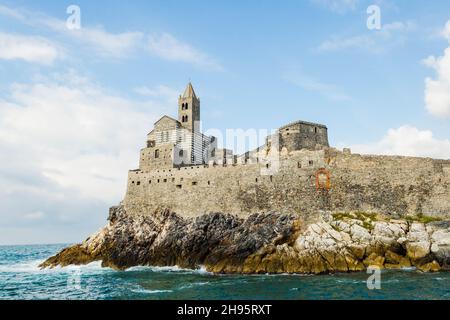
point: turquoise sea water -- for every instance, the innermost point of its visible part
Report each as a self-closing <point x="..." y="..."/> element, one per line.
<point x="20" y="278"/>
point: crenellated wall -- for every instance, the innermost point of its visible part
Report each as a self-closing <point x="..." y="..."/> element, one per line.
<point x="303" y="135"/>
<point x="384" y="184"/>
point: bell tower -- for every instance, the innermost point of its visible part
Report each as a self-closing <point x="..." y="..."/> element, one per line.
<point x="189" y="109"/>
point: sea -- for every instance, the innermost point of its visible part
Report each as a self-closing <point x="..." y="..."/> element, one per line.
<point x="21" y="279"/>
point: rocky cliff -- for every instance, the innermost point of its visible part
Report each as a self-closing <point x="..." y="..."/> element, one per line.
<point x="264" y="243"/>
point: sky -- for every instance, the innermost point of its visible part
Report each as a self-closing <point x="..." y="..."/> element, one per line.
<point x="76" y="103"/>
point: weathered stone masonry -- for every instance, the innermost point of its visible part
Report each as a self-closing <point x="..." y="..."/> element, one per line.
<point x="311" y="175"/>
<point x="382" y="184"/>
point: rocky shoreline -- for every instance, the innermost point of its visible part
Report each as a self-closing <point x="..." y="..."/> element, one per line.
<point x="264" y="243"/>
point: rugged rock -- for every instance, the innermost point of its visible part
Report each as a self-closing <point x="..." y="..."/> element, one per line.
<point x="430" y="267"/>
<point x="396" y="261"/>
<point x="418" y="244"/>
<point x="262" y="243"/>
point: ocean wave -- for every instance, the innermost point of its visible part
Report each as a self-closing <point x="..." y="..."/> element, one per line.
<point x="168" y="269"/>
<point x="32" y="266"/>
<point x="28" y="267"/>
<point x="408" y="269"/>
<point x="192" y="285"/>
<point x="150" y="291"/>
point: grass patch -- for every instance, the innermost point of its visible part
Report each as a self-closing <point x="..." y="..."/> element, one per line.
<point x="422" y="219"/>
<point x="366" y="218"/>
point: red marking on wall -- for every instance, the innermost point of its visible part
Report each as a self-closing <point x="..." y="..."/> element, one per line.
<point x="320" y="175"/>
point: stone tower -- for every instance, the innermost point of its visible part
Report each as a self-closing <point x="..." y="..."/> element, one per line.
<point x="189" y="109"/>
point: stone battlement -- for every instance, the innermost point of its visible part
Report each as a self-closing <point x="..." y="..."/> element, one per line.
<point x="295" y="171"/>
<point x="383" y="184"/>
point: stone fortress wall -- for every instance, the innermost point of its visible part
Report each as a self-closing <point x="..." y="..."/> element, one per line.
<point x="392" y="185"/>
<point x="305" y="176"/>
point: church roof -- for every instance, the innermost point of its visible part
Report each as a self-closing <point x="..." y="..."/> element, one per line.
<point x="167" y="117"/>
<point x="189" y="92"/>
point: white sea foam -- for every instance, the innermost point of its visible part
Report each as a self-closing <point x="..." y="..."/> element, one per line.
<point x="32" y="266"/>
<point x="149" y="291"/>
<point x="192" y="285"/>
<point x="167" y="269"/>
<point x="27" y="267"/>
<point x="408" y="269"/>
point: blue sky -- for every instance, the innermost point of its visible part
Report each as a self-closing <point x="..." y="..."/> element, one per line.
<point x="75" y="105"/>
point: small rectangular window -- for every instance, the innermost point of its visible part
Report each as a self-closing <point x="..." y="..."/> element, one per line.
<point x="194" y="183"/>
<point x="179" y="186"/>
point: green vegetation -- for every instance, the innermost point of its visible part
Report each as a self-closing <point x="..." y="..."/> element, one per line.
<point x="422" y="219"/>
<point x="366" y="218"/>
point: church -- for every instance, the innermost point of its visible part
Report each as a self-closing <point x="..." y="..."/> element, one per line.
<point x="175" y="143"/>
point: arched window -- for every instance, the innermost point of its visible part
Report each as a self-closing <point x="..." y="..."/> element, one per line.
<point x="186" y="106"/>
<point x="156" y="153"/>
<point x="184" y="119"/>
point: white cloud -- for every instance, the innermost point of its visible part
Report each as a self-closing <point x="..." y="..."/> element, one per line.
<point x="104" y="43"/>
<point x="77" y="134"/>
<point x="158" y="91"/>
<point x="118" y="45"/>
<point x="169" y="48"/>
<point x="27" y="48"/>
<point x="66" y="145"/>
<point x="12" y="13"/>
<point x="338" y="6"/>
<point x="437" y="91"/>
<point x="330" y="91"/>
<point x="377" y="41"/>
<point x="446" y="31"/>
<point x="97" y="39"/>
<point x="407" y="141"/>
<point x="36" y="215"/>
